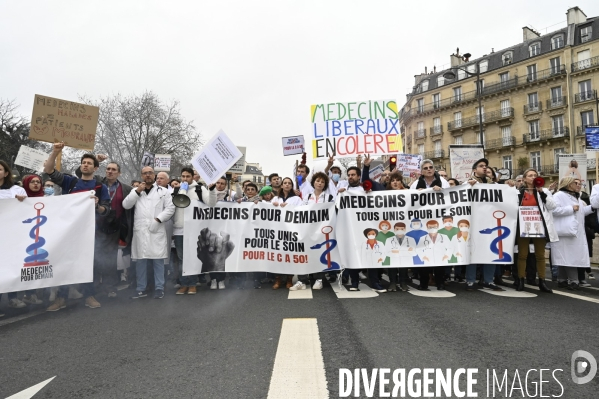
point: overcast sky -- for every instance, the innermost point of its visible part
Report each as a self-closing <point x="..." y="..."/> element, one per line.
<point x="252" y="68"/>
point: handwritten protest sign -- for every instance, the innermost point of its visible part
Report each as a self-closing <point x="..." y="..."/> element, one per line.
<point x="376" y="172"/>
<point x="462" y="157"/>
<point x="352" y="128"/>
<point x="216" y="158"/>
<point x="31" y="158"/>
<point x="162" y="162"/>
<point x="293" y="145"/>
<point x="60" y="120"/>
<point x="409" y="165"/>
<point x="239" y="166"/>
<point x="531" y="222"/>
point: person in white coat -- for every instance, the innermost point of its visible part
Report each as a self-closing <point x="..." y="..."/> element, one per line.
<point x="571" y="251"/>
<point x="153" y="206"/>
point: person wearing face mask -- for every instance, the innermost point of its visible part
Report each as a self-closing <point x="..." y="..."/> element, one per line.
<point x="372" y="255"/>
<point x="463" y="240"/>
<point x="417" y="233"/>
<point x="450" y="231"/>
<point x="48" y="189"/>
<point x="400" y="250"/>
<point x="436" y="252"/>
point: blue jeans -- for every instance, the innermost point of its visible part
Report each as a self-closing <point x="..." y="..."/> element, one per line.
<point x="487" y="270"/>
<point x="186" y="281"/>
<point x="141" y="268"/>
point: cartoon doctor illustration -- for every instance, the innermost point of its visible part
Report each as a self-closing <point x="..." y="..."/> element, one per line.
<point x="372" y="250"/>
<point x="400" y="248"/>
<point x="417" y="233"/>
<point x="436" y="250"/>
<point x="463" y="241"/>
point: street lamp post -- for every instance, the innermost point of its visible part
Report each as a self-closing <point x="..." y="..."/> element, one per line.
<point x="450" y="75"/>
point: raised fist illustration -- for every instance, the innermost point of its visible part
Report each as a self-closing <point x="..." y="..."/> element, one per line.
<point x="213" y="250"/>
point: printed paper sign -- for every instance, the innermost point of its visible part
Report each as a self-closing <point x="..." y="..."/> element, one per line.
<point x="45" y="248"/>
<point x="147" y="159"/>
<point x="31" y="158"/>
<point x="293" y="145"/>
<point x="531" y="222"/>
<point x="162" y="163"/>
<point x="573" y="165"/>
<point x="376" y="172"/>
<point x="239" y="166"/>
<point x="592" y="138"/>
<point x="409" y="165"/>
<point x="216" y="158"/>
<point x="55" y="120"/>
<point x="353" y="128"/>
<point x="461" y="158"/>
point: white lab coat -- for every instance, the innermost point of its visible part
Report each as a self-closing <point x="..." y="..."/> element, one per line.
<point x="400" y="255"/>
<point x="438" y="253"/>
<point x="149" y="236"/>
<point x="570" y="251"/>
<point x="463" y="248"/>
<point x="370" y="255"/>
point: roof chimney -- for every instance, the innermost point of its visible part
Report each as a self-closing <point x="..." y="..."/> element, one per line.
<point x="529" y="34"/>
<point x="575" y="16"/>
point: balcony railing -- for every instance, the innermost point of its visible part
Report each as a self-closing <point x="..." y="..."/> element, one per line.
<point x="584" y="96"/>
<point x="488" y="117"/>
<point x="585" y="64"/>
<point x="500" y="86"/>
<point x="533" y="107"/>
<point x="502" y="142"/>
<point x="434" y="154"/>
<point x="545" y="135"/>
<point x="420" y="134"/>
<point x="557" y="102"/>
<point x="436" y="130"/>
<point x="545" y="74"/>
<point x="546" y="170"/>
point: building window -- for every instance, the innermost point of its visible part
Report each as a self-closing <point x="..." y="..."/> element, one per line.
<point x="505" y="108"/>
<point x="421" y="149"/>
<point x="533" y="130"/>
<point x="557" y="42"/>
<point x="438" y="149"/>
<point x="420" y="105"/>
<point x="587" y="118"/>
<point x="478" y="138"/>
<point x="461" y="74"/>
<point x="555" y="65"/>
<point x="585" y="90"/>
<point x="556" y="154"/>
<point x="504" y="77"/>
<point x="533" y="102"/>
<point x="440" y="80"/>
<point x="534" y="49"/>
<point x="586" y="33"/>
<point x="420" y="130"/>
<point x="457" y="118"/>
<point x="259" y="179"/>
<point x="556" y="96"/>
<point x="557" y="122"/>
<point x="480" y="88"/>
<point x="471" y="68"/>
<point x="531" y="73"/>
<point x="507" y="57"/>
<point x="535" y="160"/>
<point x="458" y="140"/>
<point x="507" y="162"/>
<point x="506" y="136"/>
<point x="482" y="113"/>
<point x="437" y="125"/>
<point x="424" y="85"/>
<point x="457" y="94"/>
<point x="436" y="100"/>
<point x="254" y="178"/>
<point x="483" y="65"/>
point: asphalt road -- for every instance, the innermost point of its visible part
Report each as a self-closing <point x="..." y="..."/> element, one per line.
<point x="222" y="344"/>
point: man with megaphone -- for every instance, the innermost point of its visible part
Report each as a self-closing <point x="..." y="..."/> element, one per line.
<point x="188" y="192"/>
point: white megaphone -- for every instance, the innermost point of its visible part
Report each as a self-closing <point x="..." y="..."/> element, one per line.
<point x="181" y="200"/>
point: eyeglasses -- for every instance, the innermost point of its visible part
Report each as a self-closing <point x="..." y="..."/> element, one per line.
<point x="428" y="168"/>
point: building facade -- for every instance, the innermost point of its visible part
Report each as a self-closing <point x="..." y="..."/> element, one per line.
<point x="536" y="97"/>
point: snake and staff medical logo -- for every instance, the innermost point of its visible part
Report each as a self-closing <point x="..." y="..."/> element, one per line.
<point x="330" y="244"/>
<point x="36" y="265"/>
<point x="502" y="233"/>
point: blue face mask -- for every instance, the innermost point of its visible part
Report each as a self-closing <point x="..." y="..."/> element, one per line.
<point x="49" y="190"/>
<point x="336" y="177"/>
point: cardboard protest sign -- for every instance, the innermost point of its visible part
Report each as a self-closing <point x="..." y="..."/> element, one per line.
<point x="353" y="128"/>
<point x="573" y="165"/>
<point x="376" y="172"/>
<point x="409" y="165"/>
<point x="239" y="166"/>
<point x="147" y="159"/>
<point x="293" y="145"/>
<point x="216" y="158"/>
<point x="31" y="158"/>
<point x="56" y="120"/>
<point x="531" y="222"/>
<point x="462" y="157"/>
<point x="162" y="162"/>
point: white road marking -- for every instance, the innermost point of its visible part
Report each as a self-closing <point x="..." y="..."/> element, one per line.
<point x="590" y="288"/>
<point x="343" y="293"/>
<point x="301" y="294"/>
<point x="298" y="371"/>
<point x="30" y="392"/>
<point x="22" y="317"/>
<point x="509" y="292"/>
<point x="583" y="298"/>
<point x="433" y="293"/>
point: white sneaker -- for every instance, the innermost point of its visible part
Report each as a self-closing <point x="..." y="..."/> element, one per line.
<point x="16" y="303"/>
<point x="362" y="276"/>
<point x="591" y="276"/>
<point x="123" y="277"/>
<point x="213" y="285"/>
<point x="221" y="285"/>
<point x="32" y="299"/>
<point x="298" y="286"/>
<point x="583" y="283"/>
<point x="112" y="294"/>
<point x="53" y="292"/>
<point x="198" y="284"/>
<point x="177" y="286"/>
<point x="317" y="285"/>
<point x="74" y="294"/>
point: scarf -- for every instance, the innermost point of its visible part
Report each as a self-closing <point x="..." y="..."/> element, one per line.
<point x="572" y="193"/>
<point x="220" y="195"/>
<point x="30" y="193"/>
<point x="436" y="181"/>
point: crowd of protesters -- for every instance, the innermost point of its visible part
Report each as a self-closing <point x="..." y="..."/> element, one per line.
<point x="139" y="231"/>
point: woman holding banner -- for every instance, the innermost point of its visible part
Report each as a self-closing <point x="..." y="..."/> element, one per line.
<point x="571" y="251"/>
<point x="532" y="194"/>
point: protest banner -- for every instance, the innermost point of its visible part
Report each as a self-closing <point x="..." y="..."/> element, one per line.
<point x="45" y="248"/>
<point x="239" y="166"/>
<point x="531" y="222"/>
<point x="162" y="163"/>
<point x="250" y="237"/>
<point x="573" y="165"/>
<point x="461" y="159"/>
<point x="293" y="145"/>
<point x="55" y="120"/>
<point x="353" y="128"/>
<point x="216" y="158"/>
<point x="376" y="172"/>
<point x="410" y="228"/>
<point x="147" y="159"/>
<point x="409" y="165"/>
<point x="31" y="158"/>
